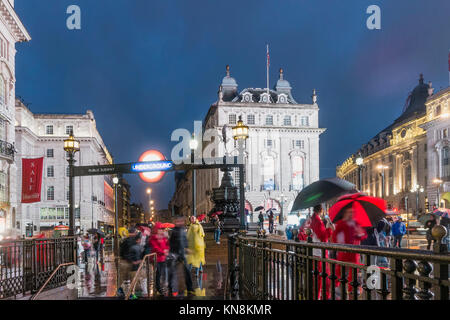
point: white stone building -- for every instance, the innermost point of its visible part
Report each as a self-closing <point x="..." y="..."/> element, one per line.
<point x="11" y="31"/>
<point x="282" y="152"/>
<point x="437" y="126"/>
<point x="42" y="135"/>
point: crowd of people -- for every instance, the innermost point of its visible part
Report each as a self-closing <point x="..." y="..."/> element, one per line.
<point x="172" y="248"/>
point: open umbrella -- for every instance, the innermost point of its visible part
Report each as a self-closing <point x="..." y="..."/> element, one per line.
<point x="442" y="212"/>
<point x="201" y="217"/>
<point x="217" y="213"/>
<point x="321" y="191"/>
<point x="426" y="217"/>
<point x="259" y="208"/>
<point x="167" y="225"/>
<point x="367" y="211"/>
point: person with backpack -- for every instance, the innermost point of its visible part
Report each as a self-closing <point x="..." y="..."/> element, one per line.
<point x="398" y="231"/>
<point x="130" y="258"/>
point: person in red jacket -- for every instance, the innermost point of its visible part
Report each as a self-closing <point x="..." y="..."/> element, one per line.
<point x="347" y="231"/>
<point x="320" y="233"/>
<point x="160" y="246"/>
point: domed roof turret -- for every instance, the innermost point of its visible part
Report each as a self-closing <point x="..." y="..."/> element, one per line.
<point x="228" y="81"/>
<point x="415" y="104"/>
<point x="283" y="85"/>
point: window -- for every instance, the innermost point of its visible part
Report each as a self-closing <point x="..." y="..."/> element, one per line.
<point x="50" y="171"/>
<point x="43" y="213"/>
<point x="408" y="181"/>
<point x="67" y="195"/>
<point x="60" y="213"/>
<point x="67" y="171"/>
<point x="4" y="48"/>
<point x="49" y="129"/>
<point x="2" y="91"/>
<point x="232" y="119"/>
<point x="3" y="187"/>
<point x="51" y="213"/>
<point x="269" y="120"/>
<point x="299" y="144"/>
<point x="51" y="193"/>
<point x="437" y="111"/>
<point x="251" y="119"/>
<point x="269" y="143"/>
<point x="287" y="120"/>
<point x="66" y="213"/>
<point x="50" y="153"/>
<point x="304" y="121"/>
<point x="69" y="130"/>
<point x="445" y="163"/>
<point x="268" y="171"/>
<point x="445" y="133"/>
<point x="2" y="129"/>
<point x="297" y="173"/>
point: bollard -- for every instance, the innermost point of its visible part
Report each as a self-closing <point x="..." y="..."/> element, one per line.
<point x="440" y="270"/>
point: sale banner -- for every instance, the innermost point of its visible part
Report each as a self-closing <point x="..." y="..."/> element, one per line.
<point x="32" y="179"/>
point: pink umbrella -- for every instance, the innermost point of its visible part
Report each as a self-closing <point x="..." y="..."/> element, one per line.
<point x="217" y="213"/>
<point x="442" y="212"/>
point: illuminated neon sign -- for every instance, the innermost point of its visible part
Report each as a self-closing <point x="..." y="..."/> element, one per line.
<point x="151" y="166"/>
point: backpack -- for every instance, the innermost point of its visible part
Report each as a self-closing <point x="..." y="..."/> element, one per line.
<point x="123" y="249"/>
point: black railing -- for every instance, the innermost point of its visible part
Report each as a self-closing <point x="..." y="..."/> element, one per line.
<point x="25" y="265"/>
<point x="6" y="149"/>
<point x="271" y="269"/>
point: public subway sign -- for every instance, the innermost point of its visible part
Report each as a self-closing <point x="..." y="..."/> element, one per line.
<point x="152" y="166"/>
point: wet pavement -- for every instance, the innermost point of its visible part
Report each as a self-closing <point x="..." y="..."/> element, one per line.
<point x="98" y="279"/>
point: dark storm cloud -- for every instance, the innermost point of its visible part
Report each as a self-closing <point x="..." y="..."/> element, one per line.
<point x="148" y="67"/>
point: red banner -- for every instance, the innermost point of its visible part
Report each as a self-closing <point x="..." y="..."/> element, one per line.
<point x="32" y="179"/>
<point x="109" y="197"/>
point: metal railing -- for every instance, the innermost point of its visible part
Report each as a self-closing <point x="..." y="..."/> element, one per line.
<point x="54" y="273"/>
<point x="25" y="265"/>
<point x="149" y="261"/>
<point x="269" y="269"/>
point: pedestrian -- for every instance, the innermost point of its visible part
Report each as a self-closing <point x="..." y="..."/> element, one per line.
<point x="96" y="245"/>
<point x="388" y="232"/>
<point x="347" y="231"/>
<point x="302" y="236"/>
<point x="261" y="220"/>
<point x="271" y="221"/>
<point x="130" y="258"/>
<point x="217" y="229"/>
<point x="196" y="245"/>
<point x="178" y="245"/>
<point x="429" y="225"/>
<point x="321" y="233"/>
<point x="295" y="233"/>
<point x="86" y="243"/>
<point x="382" y="226"/>
<point x="398" y="231"/>
<point x="160" y="246"/>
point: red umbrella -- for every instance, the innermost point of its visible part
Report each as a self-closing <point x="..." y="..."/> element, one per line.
<point x="217" y="213"/>
<point x="367" y="211"/>
<point x="167" y="225"/>
<point x="201" y="217"/>
<point x="145" y="230"/>
<point x="442" y="212"/>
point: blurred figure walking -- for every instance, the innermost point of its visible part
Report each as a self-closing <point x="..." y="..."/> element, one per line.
<point x="160" y="246"/>
<point x="196" y="244"/>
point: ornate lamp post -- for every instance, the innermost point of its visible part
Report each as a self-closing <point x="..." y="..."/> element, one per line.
<point x="360" y="163"/>
<point x="115" y="181"/>
<point x="193" y="145"/>
<point x="71" y="146"/>
<point x="240" y="133"/>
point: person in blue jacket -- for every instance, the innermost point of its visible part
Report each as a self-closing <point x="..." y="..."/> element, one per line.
<point x="398" y="231"/>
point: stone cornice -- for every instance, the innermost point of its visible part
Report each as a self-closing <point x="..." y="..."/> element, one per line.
<point x="13" y="22"/>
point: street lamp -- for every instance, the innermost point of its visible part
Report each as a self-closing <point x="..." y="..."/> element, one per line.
<point x="71" y="146"/>
<point x="240" y="133"/>
<point x="149" y="192"/>
<point x="360" y="163"/>
<point x="438" y="183"/>
<point x="115" y="181"/>
<point x="382" y="167"/>
<point x="193" y="144"/>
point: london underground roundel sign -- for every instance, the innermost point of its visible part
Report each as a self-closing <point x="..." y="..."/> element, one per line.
<point x="160" y="160"/>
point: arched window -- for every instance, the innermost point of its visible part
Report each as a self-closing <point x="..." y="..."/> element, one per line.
<point x="408" y="182"/>
<point x="445" y="163"/>
<point x="268" y="172"/>
<point x="298" y="177"/>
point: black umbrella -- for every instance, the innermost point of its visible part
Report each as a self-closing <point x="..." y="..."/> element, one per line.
<point x="259" y="208"/>
<point x="321" y="191"/>
<point x="92" y="231"/>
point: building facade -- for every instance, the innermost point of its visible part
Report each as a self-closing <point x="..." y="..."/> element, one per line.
<point x="137" y="214"/>
<point x="11" y="31"/>
<point x="123" y="203"/>
<point x="42" y="135"/>
<point x="395" y="163"/>
<point x="281" y="153"/>
<point x="437" y="126"/>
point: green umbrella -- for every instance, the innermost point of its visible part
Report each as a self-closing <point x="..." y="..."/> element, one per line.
<point x="322" y="191"/>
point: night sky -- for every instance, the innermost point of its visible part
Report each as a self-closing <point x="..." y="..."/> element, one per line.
<point x="146" y="67"/>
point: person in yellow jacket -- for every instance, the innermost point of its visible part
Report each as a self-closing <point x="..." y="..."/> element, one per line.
<point x="196" y="245"/>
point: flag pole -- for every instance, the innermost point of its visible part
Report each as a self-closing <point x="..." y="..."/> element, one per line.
<point x="267" y="68"/>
